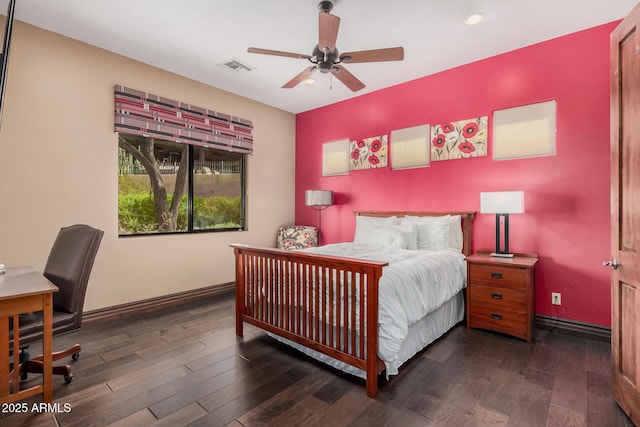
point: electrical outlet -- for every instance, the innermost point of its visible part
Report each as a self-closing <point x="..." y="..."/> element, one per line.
<point x="555" y="298"/>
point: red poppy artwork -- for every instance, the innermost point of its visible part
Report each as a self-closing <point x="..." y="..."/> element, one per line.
<point x="459" y="140"/>
<point x="369" y="153"/>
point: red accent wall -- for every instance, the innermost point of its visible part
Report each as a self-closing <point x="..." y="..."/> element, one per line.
<point x="566" y="195"/>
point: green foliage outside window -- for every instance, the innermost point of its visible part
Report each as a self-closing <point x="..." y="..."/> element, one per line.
<point x="137" y="215"/>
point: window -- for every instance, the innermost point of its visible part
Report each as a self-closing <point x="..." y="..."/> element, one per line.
<point x="525" y="131"/>
<point x="168" y="187"/>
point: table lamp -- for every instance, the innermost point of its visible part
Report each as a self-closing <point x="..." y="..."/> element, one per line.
<point x="502" y="203"/>
<point x="318" y="200"/>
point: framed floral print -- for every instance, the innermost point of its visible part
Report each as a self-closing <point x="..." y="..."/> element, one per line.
<point x="459" y="140"/>
<point x="369" y="153"/>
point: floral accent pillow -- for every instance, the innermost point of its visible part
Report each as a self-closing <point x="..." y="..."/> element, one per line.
<point x="297" y="237"/>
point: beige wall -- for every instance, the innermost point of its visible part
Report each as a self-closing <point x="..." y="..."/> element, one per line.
<point x="58" y="166"/>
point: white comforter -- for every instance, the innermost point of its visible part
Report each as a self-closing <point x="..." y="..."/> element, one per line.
<point x="415" y="283"/>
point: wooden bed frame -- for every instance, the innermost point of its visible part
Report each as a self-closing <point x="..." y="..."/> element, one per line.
<point x="299" y="296"/>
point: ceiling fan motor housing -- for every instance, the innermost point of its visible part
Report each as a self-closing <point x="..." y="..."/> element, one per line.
<point x="325" y="6"/>
<point x="325" y="61"/>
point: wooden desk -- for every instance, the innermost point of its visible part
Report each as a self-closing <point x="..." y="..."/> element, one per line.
<point x="24" y="290"/>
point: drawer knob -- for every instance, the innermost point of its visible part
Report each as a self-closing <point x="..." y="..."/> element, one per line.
<point x="496" y="316"/>
<point x="496" y="275"/>
<point x="496" y="295"/>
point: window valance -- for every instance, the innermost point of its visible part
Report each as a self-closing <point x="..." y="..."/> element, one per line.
<point x="141" y="113"/>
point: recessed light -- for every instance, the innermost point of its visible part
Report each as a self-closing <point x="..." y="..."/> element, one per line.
<point x="474" y="19"/>
<point x="309" y="81"/>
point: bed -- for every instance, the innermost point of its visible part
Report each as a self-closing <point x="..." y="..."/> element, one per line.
<point x="339" y="302"/>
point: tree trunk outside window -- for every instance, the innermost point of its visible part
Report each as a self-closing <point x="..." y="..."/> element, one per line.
<point x="143" y="150"/>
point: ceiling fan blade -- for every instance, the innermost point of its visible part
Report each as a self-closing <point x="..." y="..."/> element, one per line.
<point x="375" y="55"/>
<point x="300" y="77"/>
<point x="278" y="53"/>
<point x="328" y="34"/>
<point x="347" y="78"/>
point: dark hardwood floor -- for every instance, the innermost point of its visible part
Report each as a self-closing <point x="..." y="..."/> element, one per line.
<point x="184" y="366"/>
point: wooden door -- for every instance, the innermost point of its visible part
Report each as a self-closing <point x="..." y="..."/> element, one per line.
<point x="625" y="213"/>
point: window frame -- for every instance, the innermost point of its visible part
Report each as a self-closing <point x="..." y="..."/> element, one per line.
<point x="190" y="199"/>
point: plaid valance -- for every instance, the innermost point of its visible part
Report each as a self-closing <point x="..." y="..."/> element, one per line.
<point x="141" y="113"/>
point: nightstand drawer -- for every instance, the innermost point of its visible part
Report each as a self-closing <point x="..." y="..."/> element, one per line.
<point x="506" y="276"/>
<point x="510" y="322"/>
<point x="496" y="296"/>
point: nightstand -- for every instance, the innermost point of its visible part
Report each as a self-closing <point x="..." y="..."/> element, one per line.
<point x="500" y="294"/>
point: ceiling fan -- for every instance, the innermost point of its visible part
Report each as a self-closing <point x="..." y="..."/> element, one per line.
<point x="326" y="58"/>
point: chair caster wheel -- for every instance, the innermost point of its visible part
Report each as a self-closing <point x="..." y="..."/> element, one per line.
<point x="75" y="356"/>
<point x="68" y="379"/>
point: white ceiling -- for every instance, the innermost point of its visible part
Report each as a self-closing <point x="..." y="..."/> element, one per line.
<point x="192" y="37"/>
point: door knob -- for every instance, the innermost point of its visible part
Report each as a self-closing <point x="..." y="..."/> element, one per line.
<point x="612" y="263"/>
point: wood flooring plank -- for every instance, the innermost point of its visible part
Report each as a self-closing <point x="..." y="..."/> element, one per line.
<point x="181" y="417"/>
<point x="276" y="408"/>
<point x="220" y="339"/>
<point x="209" y="358"/>
<point x="337" y="388"/>
<point x="260" y="374"/>
<point x="476" y="375"/>
<point x="531" y="407"/>
<point x="132" y="345"/>
<point x="110" y="408"/>
<point x="297" y="415"/>
<point x="598" y="357"/>
<point x="539" y="378"/>
<point x="215" y="379"/>
<point x="518" y="356"/>
<point x="602" y="410"/>
<point x="406" y="417"/>
<point x="501" y="393"/>
<point x="483" y="417"/>
<point x="237" y="407"/>
<point x="417" y="387"/>
<point x="571" y="394"/>
<point x="441" y="349"/>
<point x="341" y="413"/>
<point x="221" y="374"/>
<point x="31" y="419"/>
<point x="450" y="416"/>
<point x="142" y="418"/>
<point x="559" y="416"/>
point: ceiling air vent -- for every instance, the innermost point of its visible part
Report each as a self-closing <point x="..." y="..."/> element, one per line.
<point x="235" y="65"/>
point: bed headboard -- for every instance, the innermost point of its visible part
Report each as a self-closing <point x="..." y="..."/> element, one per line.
<point x="467" y="219"/>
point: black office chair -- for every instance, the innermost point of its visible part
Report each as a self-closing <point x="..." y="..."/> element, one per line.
<point x="68" y="267"/>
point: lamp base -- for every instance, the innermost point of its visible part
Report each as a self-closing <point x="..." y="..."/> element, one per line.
<point x="501" y="255"/>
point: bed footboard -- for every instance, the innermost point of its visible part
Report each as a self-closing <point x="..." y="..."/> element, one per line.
<point x="328" y="304"/>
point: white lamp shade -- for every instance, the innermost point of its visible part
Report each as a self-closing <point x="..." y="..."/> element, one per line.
<point x="502" y="202"/>
<point x="318" y="198"/>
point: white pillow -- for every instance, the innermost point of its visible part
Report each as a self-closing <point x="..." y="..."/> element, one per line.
<point x="456" y="241"/>
<point x="410" y="231"/>
<point x="433" y="231"/>
<point x="395" y="237"/>
<point x="391" y="237"/>
<point x="368" y="226"/>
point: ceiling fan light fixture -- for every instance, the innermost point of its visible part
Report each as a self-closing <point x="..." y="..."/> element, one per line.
<point x="474" y="19"/>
